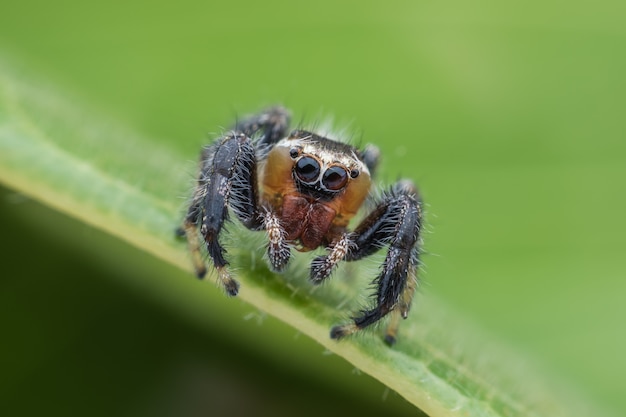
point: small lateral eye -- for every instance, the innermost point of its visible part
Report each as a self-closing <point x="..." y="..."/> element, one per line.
<point x="307" y="169"/>
<point x="354" y="173"/>
<point x="294" y="152"/>
<point x="335" y="178"/>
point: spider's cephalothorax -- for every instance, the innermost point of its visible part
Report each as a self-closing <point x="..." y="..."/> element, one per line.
<point x="303" y="189"/>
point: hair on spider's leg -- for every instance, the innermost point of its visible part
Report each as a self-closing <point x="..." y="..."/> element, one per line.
<point x="278" y="251"/>
<point x="395" y="222"/>
<point x="371" y="157"/>
<point x="339" y="332"/>
<point x="193" y="243"/>
<point x="189" y="229"/>
<point x="404" y="303"/>
<point x="227" y="177"/>
<point x="323" y="266"/>
<point x="230" y="285"/>
<point x="272" y="124"/>
<point x="390" y="284"/>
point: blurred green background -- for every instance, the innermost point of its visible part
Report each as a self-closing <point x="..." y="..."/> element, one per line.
<point x="509" y="116"/>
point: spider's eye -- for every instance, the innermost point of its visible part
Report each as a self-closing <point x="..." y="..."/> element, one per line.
<point x="335" y="178"/>
<point x="308" y="169"/>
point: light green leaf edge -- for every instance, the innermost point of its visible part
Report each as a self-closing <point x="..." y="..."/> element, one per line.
<point x="133" y="188"/>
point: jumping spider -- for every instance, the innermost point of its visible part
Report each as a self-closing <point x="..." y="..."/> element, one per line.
<point x="303" y="189"/>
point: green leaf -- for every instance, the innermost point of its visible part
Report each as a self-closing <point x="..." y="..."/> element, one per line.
<point x="131" y="187"/>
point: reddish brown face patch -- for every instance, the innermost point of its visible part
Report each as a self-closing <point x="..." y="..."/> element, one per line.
<point x="306" y="221"/>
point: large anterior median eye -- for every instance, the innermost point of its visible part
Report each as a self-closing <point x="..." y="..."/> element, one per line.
<point x="335" y="178"/>
<point x="308" y="169"/>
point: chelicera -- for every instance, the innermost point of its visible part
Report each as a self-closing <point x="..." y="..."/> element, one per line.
<point x="303" y="189"/>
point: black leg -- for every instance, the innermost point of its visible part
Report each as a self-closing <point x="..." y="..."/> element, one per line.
<point x="227" y="178"/>
<point x="396" y="223"/>
<point x="271" y="124"/>
<point x="371" y="156"/>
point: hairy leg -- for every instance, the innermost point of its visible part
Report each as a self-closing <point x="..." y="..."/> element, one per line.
<point x="227" y="178"/>
<point x="271" y="125"/>
<point x="395" y="223"/>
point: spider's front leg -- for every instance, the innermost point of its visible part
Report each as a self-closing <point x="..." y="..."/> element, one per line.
<point x="395" y="222"/>
<point x="227" y="178"/>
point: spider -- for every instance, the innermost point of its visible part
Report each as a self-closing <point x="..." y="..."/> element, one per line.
<point x="302" y="189"/>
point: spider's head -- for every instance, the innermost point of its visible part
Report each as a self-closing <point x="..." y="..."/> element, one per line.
<point x="320" y="169"/>
<point x="323" y="168"/>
